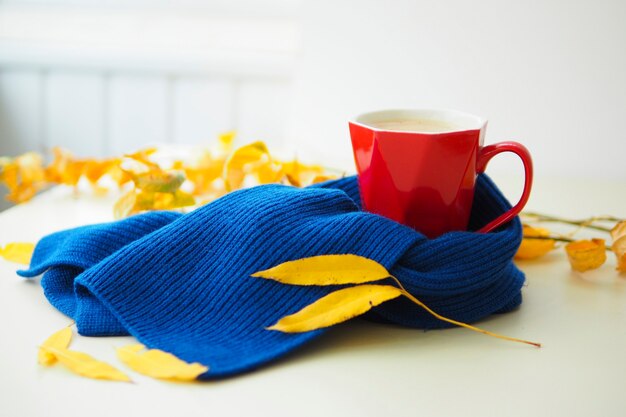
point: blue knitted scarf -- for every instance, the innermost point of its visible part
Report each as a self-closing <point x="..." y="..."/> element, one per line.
<point x="181" y="283"/>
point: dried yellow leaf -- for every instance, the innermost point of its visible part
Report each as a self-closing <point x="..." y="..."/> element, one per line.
<point x="586" y="254"/>
<point x="336" y="307"/>
<point x="58" y="340"/>
<point x="23" y="176"/>
<point x="65" y="169"/>
<point x="204" y="171"/>
<point x="534" y="248"/>
<point x="143" y="156"/>
<point x="226" y="140"/>
<point x="299" y="174"/>
<point x="125" y="205"/>
<point x="159" y="364"/>
<point x="159" y="181"/>
<point x="618" y="230"/>
<point x="618" y="234"/>
<point x="94" y="169"/>
<point x="267" y="172"/>
<point x="19" y="252"/>
<point x="237" y="165"/>
<point x="85" y="365"/>
<point x="619" y="249"/>
<point x="348" y="302"/>
<point x="322" y="178"/>
<point x="119" y="175"/>
<point x="326" y="270"/>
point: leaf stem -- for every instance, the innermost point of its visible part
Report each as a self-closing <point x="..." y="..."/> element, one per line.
<point x="559" y="239"/>
<point x="458" y="323"/>
<point x="582" y="223"/>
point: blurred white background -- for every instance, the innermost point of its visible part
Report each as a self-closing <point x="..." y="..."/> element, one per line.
<point x="105" y="77"/>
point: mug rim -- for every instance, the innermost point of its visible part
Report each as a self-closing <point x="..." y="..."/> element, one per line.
<point x="466" y="121"/>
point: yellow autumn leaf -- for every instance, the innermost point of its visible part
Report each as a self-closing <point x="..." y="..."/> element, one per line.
<point x="322" y="178"/>
<point x="143" y="156"/>
<point x="618" y="235"/>
<point x="267" y="172"/>
<point x="348" y="302"/>
<point x="326" y="270"/>
<point x="19" y="252"/>
<point x="204" y="171"/>
<point x="237" y="164"/>
<point x="119" y="175"/>
<point x="95" y="169"/>
<point x="125" y="205"/>
<point x="534" y="248"/>
<point x="23" y="176"/>
<point x="584" y="255"/>
<point x="85" y="365"/>
<point x="336" y="307"/>
<point x="226" y="140"/>
<point x="159" y="364"/>
<point x="619" y="249"/>
<point x="299" y="174"/>
<point x="65" y="169"/>
<point x="58" y="340"/>
<point x="159" y="181"/>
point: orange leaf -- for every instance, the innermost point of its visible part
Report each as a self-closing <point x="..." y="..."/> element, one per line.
<point x="65" y="169"/>
<point x="23" y="176"/>
<point x="534" y="248"/>
<point x="586" y="254"/>
<point x="143" y="156"/>
<point x="322" y="178"/>
<point x="94" y="170"/>
<point x="618" y="234"/>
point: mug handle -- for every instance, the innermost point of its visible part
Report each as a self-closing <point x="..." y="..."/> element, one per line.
<point x="485" y="155"/>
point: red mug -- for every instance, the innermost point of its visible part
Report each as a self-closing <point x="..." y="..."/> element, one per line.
<point x="419" y="167"/>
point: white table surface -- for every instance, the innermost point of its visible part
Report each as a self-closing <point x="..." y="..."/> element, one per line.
<point x="357" y="369"/>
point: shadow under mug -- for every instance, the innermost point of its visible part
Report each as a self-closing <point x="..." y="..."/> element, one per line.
<point x="426" y="179"/>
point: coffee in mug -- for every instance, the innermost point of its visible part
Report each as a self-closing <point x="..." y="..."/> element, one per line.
<point x="419" y="167"/>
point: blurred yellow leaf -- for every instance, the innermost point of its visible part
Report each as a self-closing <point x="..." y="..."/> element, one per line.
<point x="204" y="171"/>
<point x="237" y="164"/>
<point x="136" y="201"/>
<point x="83" y="364"/>
<point x="159" y="364"/>
<point x="169" y="201"/>
<point x="23" y="176"/>
<point x="65" y="169"/>
<point x="59" y="340"/>
<point x="299" y="174"/>
<point x="19" y="252"/>
<point x="157" y="180"/>
<point x="119" y="175"/>
<point x="322" y="178"/>
<point x="534" y="248"/>
<point x="143" y="156"/>
<point x="618" y="235"/>
<point x="225" y="141"/>
<point x="336" y="307"/>
<point x="586" y="254"/>
<point x="94" y="169"/>
<point x="125" y="205"/>
<point x="326" y="270"/>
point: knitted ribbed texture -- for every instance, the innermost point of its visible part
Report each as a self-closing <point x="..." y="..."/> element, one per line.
<point x="181" y="283"/>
